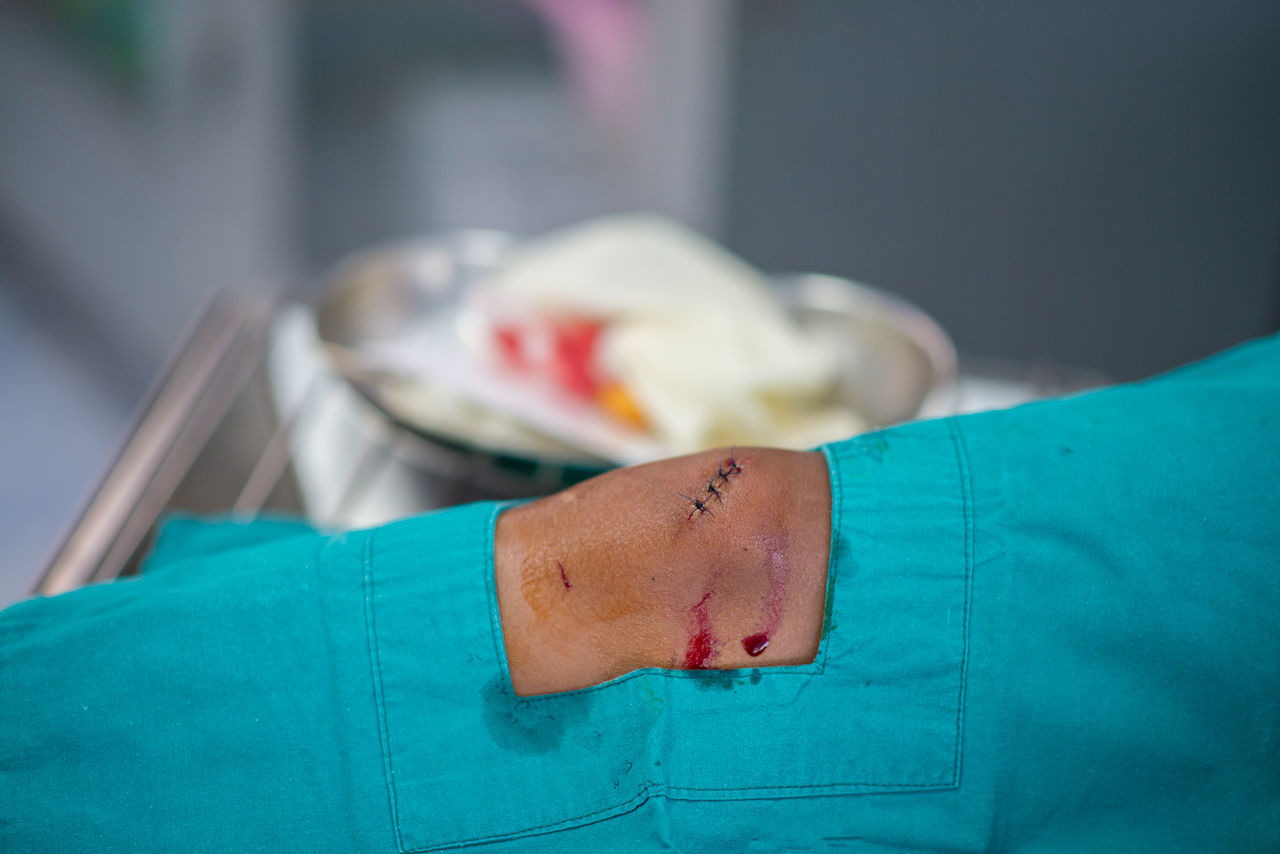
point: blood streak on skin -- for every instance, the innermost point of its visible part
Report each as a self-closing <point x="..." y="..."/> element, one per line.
<point x="563" y="577"/>
<point x="756" y="643"/>
<point x="702" y="643"/>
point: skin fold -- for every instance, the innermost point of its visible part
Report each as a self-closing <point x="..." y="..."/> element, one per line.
<point x="622" y="572"/>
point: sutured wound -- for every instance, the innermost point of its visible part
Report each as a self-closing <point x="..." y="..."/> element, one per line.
<point x="731" y="465"/>
<point x="701" y="645"/>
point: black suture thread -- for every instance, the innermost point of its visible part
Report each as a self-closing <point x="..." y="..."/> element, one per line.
<point x="722" y="474"/>
<point x="734" y="467"/>
<point x="699" y="507"/>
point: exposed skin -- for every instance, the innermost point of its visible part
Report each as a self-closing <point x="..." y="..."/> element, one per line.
<point x="612" y="574"/>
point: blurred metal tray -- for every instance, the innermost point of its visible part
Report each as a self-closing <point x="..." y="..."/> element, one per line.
<point x="250" y="418"/>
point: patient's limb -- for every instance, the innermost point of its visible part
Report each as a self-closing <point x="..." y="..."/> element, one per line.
<point x="715" y="560"/>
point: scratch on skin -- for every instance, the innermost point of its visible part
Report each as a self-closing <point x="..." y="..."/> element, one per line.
<point x="542" y="575"/>
<point x="756" y="643"/>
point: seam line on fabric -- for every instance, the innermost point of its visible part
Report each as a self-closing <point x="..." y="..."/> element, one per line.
<point x="813" y="668"/>
<point x="834" y="543"/>
<point x="375" y="661"/>
<point x="966" y="498"/>
<point x="621" y="808"/>
<point x="490" y="564"/>
<point x="763" y="790"/>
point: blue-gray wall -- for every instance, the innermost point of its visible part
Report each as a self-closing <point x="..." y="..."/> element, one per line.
<point x="1092" y="183"/>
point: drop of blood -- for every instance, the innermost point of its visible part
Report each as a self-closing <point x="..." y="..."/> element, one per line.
<point x="755" y="644"/>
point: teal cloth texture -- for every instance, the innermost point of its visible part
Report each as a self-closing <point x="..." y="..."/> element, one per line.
<point x="1050" y="628"/>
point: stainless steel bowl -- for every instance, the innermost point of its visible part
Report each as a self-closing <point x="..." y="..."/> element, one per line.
<point x="894" y="354"/>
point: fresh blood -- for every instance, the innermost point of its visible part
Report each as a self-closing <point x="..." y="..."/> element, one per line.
<point x="755" y="644"/>
<point x="702" y="643"/>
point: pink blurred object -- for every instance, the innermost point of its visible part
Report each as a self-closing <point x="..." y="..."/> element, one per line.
<point x="602" y="43"/>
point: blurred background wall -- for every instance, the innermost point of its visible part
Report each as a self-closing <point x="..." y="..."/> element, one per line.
<point x="1094" y="184"/>
<point x="1091" y="183"/>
